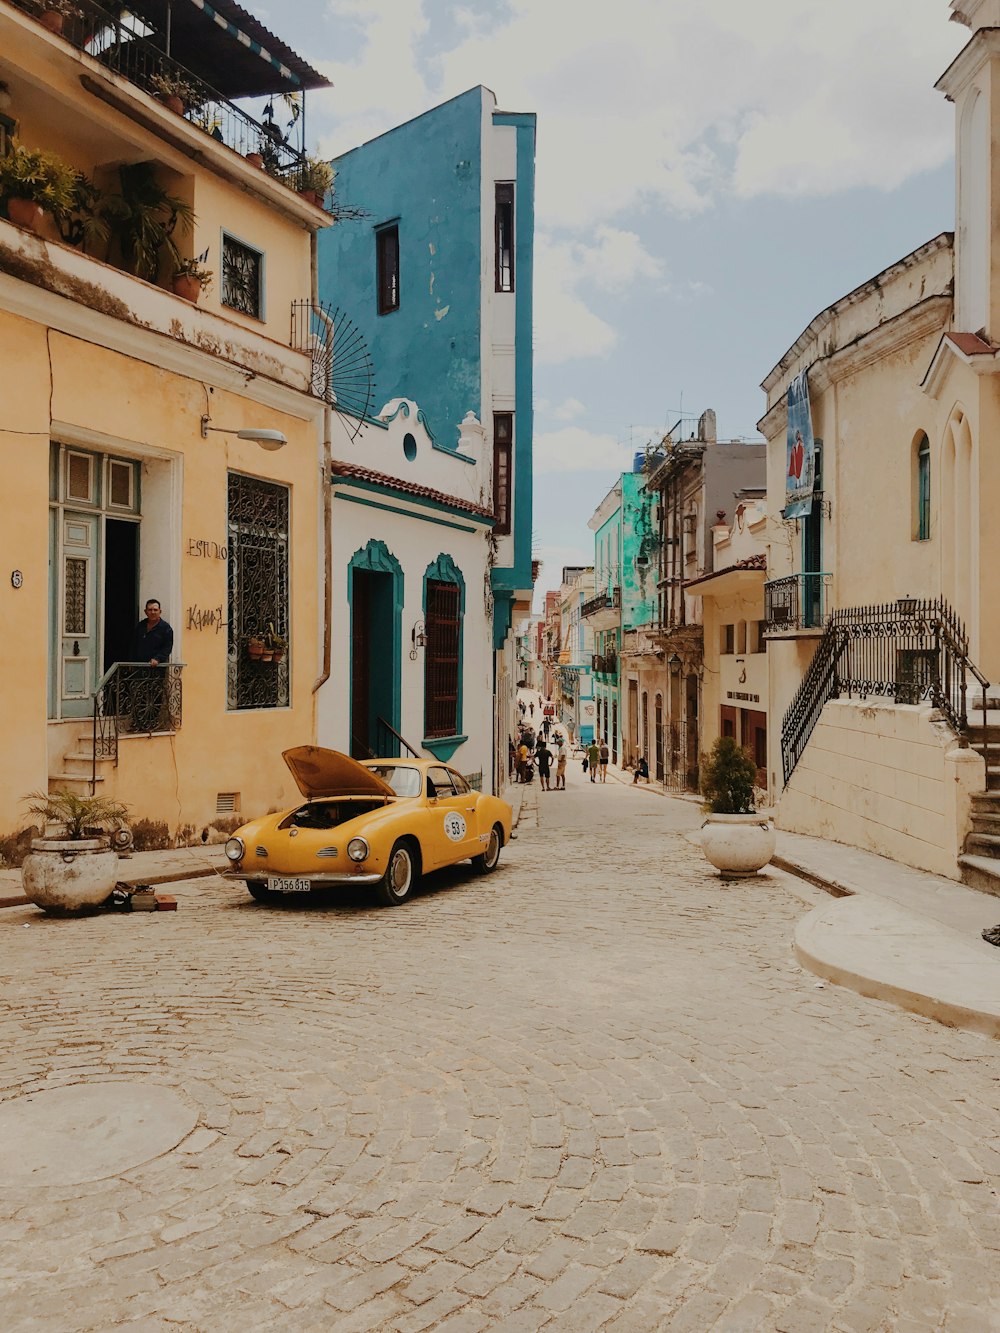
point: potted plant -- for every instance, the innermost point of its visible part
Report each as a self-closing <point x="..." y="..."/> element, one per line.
<point x="255" y="647"/>
<point x="176" y="92"/>
<point x="191" y="278"/>
<point x="55" y="13"/>
<point x="143" y="219"/>
<point x="735" y="838"/>
<point x="77" y="868"/>
<point x="33" y="181"/>
<point x="275" y="644"/>
<point x="315" y="177"/>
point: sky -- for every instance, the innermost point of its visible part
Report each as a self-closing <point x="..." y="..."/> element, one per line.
<point x="710" y="176"/>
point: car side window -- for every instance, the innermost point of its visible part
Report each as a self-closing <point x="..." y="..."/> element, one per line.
<point x="440" y="780"/>
<point x="461" y="786"/>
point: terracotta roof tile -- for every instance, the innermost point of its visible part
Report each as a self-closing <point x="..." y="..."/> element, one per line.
<point x="407" y="488"/>
<point x="971" y="344"/>
<point x="758" y="561"/>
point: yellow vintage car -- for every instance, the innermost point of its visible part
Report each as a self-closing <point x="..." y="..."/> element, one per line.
<point x="381" y="822"/>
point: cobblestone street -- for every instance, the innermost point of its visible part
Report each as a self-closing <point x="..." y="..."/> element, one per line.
<point x="592" y="1091"/>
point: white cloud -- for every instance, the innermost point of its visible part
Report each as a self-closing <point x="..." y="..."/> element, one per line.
<point x="575" y="449"/>
<point x="553" y="559"/>
<point x="565" y="327"/>
<point x="569" y="410"/>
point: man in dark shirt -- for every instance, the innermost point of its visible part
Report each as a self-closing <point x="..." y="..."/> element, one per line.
<point x="152" y="642"/>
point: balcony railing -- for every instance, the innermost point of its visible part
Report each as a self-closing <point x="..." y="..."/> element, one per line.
<point x="605" y="664"/>
<point x="134" y="698"/>
<point x="128" y="47"/>
<point x="797" y="602"/>
<point x="604" y="601"/>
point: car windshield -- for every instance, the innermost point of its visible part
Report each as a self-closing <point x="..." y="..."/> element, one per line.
<point x="403" y="781"/>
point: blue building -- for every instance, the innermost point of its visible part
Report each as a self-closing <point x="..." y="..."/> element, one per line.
<point x="437" y="277"/>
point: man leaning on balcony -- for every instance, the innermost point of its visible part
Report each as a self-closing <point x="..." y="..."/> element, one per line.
<point x="152" y="642"/>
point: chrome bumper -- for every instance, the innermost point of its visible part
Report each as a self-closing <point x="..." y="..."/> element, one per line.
<point x="318" y="881"/>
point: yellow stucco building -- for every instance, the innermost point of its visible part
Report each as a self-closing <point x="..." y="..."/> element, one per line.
<point x="122" y="405"/>
<point x="880" y="607"/>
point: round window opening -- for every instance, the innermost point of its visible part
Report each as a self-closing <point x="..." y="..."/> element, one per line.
<point x="409" y="447"/>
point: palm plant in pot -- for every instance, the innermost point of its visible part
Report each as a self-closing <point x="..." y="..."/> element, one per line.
<point x="735" y="838"/>
<point x="33" y="181"/>
<point x="75" y="869"/>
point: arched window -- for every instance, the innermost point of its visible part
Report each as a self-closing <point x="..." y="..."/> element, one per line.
<point x="922" y="488"/>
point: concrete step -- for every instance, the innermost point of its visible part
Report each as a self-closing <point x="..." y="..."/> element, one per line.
<point x="82" y="762"/>
<point x="986" y="823"/>
<point x="58" y="780"/>
<point x="980" y="872"/>
<point x="987" y="801"/>
<point x="983" y="844"/>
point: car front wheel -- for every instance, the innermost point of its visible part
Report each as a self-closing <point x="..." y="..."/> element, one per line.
<point x="397" y="884"/>
<point x="485" y="864"/>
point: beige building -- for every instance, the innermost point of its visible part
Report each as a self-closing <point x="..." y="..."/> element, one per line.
<point x="127" y="474"/>
<point x="880" y="603"/>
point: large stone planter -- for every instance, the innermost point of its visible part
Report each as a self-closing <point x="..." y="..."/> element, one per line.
<point x="738" y="844"/>
<point x="60" y="875"/>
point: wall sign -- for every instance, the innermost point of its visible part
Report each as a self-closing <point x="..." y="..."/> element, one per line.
<point x="746" y="698"/>
<point x="16" y="578"/>
<point x="206" y="550"/>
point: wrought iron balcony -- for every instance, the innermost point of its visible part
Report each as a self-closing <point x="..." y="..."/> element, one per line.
<point x="604" y="601"/>
<point x="129" y="44"/>
<point x="605" y="664"/>
<point x="796" y="603"/>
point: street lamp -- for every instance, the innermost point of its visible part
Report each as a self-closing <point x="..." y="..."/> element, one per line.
<point x="271" y="440"/>
<point x="674" y="663"/>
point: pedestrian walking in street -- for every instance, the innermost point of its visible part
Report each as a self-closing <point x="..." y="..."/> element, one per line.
<point x="531" y="710"/>
<point x="522" y="762"/>
<point x="641" y="770"/>
<point x="543" y="756"/>
<point x="562" y="759"/>
<point x="593" y="759"/>
<point x="605" y="755"/>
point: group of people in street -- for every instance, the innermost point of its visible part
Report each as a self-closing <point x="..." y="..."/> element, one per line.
<point x="533" y="751"/>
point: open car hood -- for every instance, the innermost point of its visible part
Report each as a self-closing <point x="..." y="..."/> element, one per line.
<point x="318" y="773"/>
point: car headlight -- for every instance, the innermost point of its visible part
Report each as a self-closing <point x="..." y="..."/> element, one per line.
<point x="235" y="849"/>
<point x="357" y="849"/>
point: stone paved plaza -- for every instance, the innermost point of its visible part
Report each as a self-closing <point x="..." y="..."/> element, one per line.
<point x="593" y="1091"/>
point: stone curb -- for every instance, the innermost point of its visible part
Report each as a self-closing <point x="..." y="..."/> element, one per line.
<point x="878" y="950"/>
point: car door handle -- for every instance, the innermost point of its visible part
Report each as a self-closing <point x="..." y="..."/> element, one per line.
<point x="471" y="809"/>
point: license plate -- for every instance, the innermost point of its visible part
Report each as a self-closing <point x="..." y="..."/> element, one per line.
<point x="278" y="885"/>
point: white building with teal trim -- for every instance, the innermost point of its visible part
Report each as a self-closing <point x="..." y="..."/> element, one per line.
<point x="430" y="548"/>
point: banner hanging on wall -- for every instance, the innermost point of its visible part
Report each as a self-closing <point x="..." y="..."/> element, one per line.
<point x="800" y="467"/>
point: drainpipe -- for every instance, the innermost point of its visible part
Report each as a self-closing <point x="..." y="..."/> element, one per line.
<point x="325" y="482"/>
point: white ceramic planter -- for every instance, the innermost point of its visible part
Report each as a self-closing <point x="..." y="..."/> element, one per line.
<point x="69" y="876"/>
<point x="738" y="844"/>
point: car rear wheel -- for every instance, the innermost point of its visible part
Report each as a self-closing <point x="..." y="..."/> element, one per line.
<point x="400" y="877"/>
<point x="487" y="863"/>
<point x="257" y="890"/>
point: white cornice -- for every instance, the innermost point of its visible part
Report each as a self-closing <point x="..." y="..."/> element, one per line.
<point x="40" y="306"/>
<point x="900" y="331"/>
<point x="981" y="48"/>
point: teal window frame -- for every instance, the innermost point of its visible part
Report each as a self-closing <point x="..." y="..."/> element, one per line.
<point x="445" y="570"/>
<point x="923" y="489"/>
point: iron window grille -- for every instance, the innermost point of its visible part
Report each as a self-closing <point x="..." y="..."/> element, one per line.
<point x="258" y="529"/>
<point x="387" y="264"/>
<point x="504" y="227"/>
<point x="242" y="277"/>
<point x="443" y="628"/>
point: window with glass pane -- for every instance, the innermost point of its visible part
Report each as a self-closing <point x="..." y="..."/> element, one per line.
<point x="387" y="264"/>
<point x="242" y="274"/>
<point x="924" y="489"/>
<point x="505" y="238"/>
<point x="503" y="443"/>
<point x="443" y="627"/>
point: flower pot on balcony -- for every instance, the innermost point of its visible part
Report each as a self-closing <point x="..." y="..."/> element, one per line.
<point x="255" y="649"/>
<point x="311" y="197"/>
<point x="255" y="160"/>
<point x="53" y="20"/>
<point x="25" y="213"/>
<point x="187" y="287"/>
<point x="173" y="103"/>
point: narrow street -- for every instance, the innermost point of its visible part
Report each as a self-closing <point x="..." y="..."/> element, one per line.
<point x="592" y="1091"/>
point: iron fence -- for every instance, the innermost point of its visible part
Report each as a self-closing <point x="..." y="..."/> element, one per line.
<point x="911" y="651"/>
<point x="134" y="698"/>
<point x="132" y="49"/>
<point x="796" y="602"/>
<point x="604" y="601"/>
